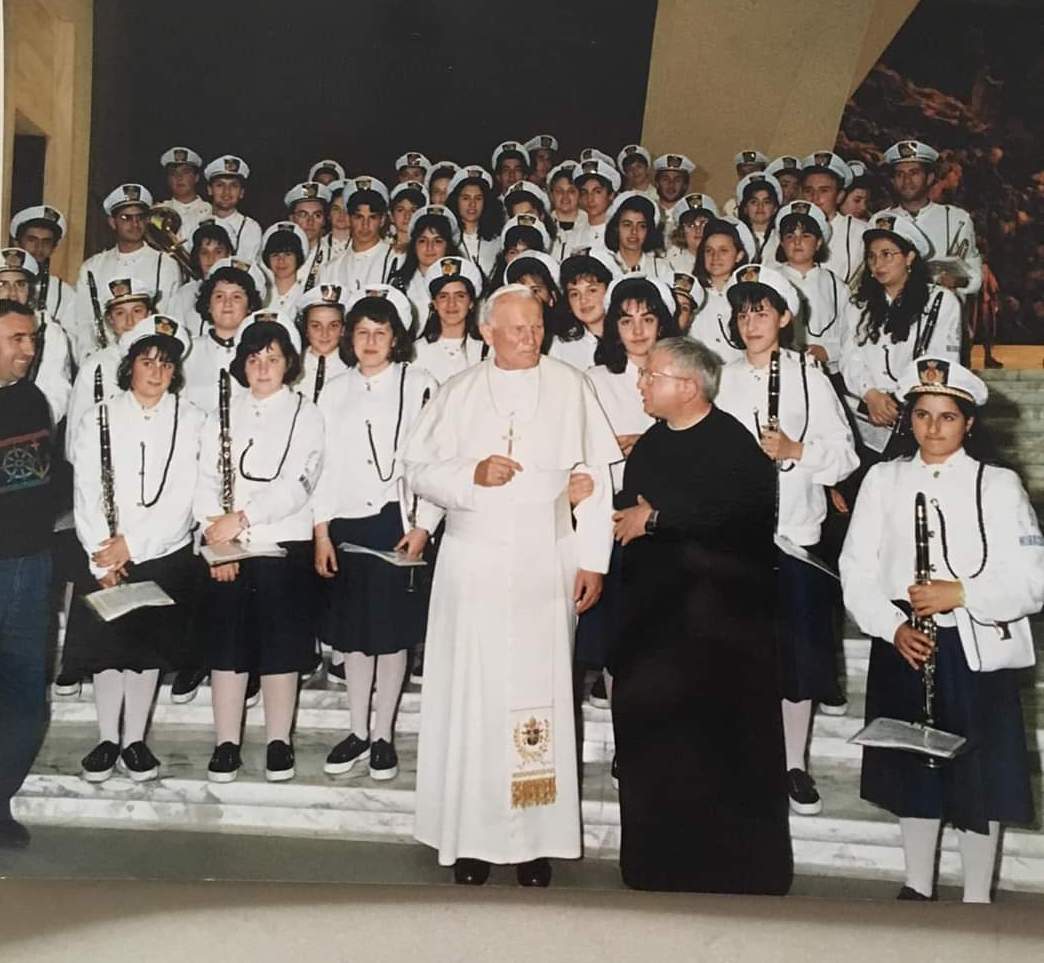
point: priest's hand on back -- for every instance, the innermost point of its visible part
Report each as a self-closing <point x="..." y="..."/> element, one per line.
<point x="630" y="523"/>
<point x="496" y="470"/>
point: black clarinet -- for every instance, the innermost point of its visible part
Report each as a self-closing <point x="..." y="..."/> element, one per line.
<point x="412" y="514"/>
<point x="107" y="478"/>
<point x="320" y="378"/>
<point x="926" y="625"/>
<point x="225" y="455"/>
<point x="99" y="318"/>
<point x="773" y="416"/>
<point x="99" y="385"/>
<point x="924" y="339"/>
<point x="43" y="286"/>
<point x="313" y="271"/>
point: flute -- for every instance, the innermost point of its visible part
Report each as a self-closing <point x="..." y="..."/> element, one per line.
<point x="225" y="454"/>
<point x="99" y="318"/>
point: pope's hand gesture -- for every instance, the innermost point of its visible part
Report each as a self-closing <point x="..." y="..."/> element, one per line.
<point x="496" y="470"/>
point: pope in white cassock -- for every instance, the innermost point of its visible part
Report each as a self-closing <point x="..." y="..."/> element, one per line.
<point x="497" y="764"/>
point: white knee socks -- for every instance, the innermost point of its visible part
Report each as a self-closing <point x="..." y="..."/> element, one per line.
<point x="108" y="700"/>
<point x="796" y="719"/>
<point x="391" y="674"/>
<point x="920" y="838"/>
<point x="139" y="689"/>
<point x="978" y="857"/>
<point x="228" y="693"/>
<point x="359" y="671"/>
<point x="279" y="693"/>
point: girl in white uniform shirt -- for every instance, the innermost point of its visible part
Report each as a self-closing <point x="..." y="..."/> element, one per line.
<point x="525" y="232"/>
<point x="597" y="183"/>
<point x="804" y="234"/>
<point x="480" y="215"/>
<point x="126" y="302"/>
<point x="524" y="197"/>
<point x="153" y="441"/>
<point x="340" y="236"/>
<point x="758" y="198"/>
<point x="406" y="199"/>
<point x="210" y="244"/>
<point x="450" y="340"/>
<point x="232" y="291"/>
<point x="987" y="558"/>
<point x="634" y="236"/>
<point x="570" y="221"/>
<point x="585" y="279"/>
<point x="378" y="611"/>
<point x="434" y="234"/>
<point x="812" y="448"/>
<point x="690" y="215"/>
<point x="282" y="254"/>
<point x="896" y="315"/>
<point x="725" y="246"/>
<point x="257" y="615"/>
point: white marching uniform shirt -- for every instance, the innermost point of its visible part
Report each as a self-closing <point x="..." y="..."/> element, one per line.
<point x="277" y="458"/>
<point x="357" y="409"/>
<point x="246" y="235"/>
<point x="951" y="231"/>
<point x="621" y="401"/>
<point x="354" y="270"/>
<point x="651" y="265"/>
<point x="286" y="303"/>
<point x="151" y="461"/>
<point x="579" y="353"/>
<point x="681" y="259"/>
<point x="183" y="308"/>
<point x="82" y="396"/>
<point x="498" y="663"/>
<point x="481" y="252"/>
<point x="420" y="299"/>
<point x="824" y="299"/>
<point x="61" y="303"/>
<point x="54" y="370"/>
<point x="590" y="235"/>
<point x="877" y="560"/>
<point x="158" y="272"/>
<point x="203" y="366"/>
<point x="710" y="325"/>
<point x="845" y="250"/>
<point x="191" y="214"/>
<point x="445" y="357"/>
<point x="333" y="368"/>
<point x="880" y="365"/>
<point x="817" y="421"/>
<point x="567" y="238"/>
<point x="766" y="246"/>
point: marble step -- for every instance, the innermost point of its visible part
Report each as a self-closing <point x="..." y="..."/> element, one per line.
<point x="850" y="838"/>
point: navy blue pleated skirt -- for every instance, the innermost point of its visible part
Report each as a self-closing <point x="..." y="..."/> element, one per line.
<point x="374" y="607"/>
<point x="990" y="780"/>
<point x="596" y="627"/>
<point x="265" y="621"/>
<point x="807" y="634"/>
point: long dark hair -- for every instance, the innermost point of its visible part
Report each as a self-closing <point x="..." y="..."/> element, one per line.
<point x="979" y="443"/>
<point x="640" y="205"/>
<point x="491" y="220"/>
<point x="530" y="236"/>
<point x="877" y="315"/>
<point x="746" y="296"/>
<point x="748" y="193"/>
<point x="716" y="226"/>
<point x="382" y="311"/>
<point x="402" y="276"/>
<point x="610" y="350"/>
<point x="433" y="326"/>
<point x="165" y="351"/>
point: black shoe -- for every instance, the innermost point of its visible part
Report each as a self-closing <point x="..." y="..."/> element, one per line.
<point x="417" y="669"/>
<point x="225" y="763"/>
<point x="253" y="690"/>
<point x="614" y="775"/>
<point x="470" y="872"/>
<point x="346" y="754"/>
<point x="834" y="706"/>
<point x="992" y="362"/>
<point x="139" y="763"/>
<point x="99" y="763"/>
<point x="599" y="698"/>
<point x="909" y="893"/>
<point x="384" y="761"/>
<point x="68" y="684"/>
<point x="801" y="787"/>
<point x="186" y="684"/>
<point x="537" y="872"/>
<point x="13" y="835"/>
<point x="336" y="671"/>
<point x="279" y="762"/>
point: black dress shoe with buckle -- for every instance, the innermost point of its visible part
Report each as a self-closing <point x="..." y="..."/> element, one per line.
<point x="470" y="872"/>
<point x="537" y="872"/>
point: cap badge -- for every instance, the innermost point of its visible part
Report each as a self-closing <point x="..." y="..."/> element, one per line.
<point x="800" y="207"/>
<point x="885" y="222"/>
<point x="50" y="214"/>
<point x="683" y="283"/>
<point x="694" y="201"/>
<point x="546" y="143"/>
<point x="180" y="156"/>
<point x="674" y="161"/>
<point x="450" y="267"/>
<point x="907" y="148"/>
<point x="165" y="325"/>
<point x="751" y="274"/>
<point x="376" y="293"/>
<point x="272" y="317"/>
<point x="231" y="165"/>
<point x="310" y="189"/>
<point x="285" y="226"/>
<point x="120" y="288"/>
<point x="131" y="192"/>
<point x="474" y="172"/>
<point x="330" y="292"/>
<point x="932" y="371"/>
<point x="790" y="163"/>
<point x="363" y="183"/>
<point x="822" y="158"/>
<point x="749" y="156"/>
<point x="526" y="220"/>
<point x="413" y="160"/>
<point x="630" y="149"/>
<point x="14" y="259"/>
<point x="589" y="167"/>
<point x="239" y="265"/>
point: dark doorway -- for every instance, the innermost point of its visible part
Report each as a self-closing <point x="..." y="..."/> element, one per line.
<point x="27" y="169"/>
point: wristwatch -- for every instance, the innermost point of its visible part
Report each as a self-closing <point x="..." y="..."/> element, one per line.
<point x="651" y="521"/>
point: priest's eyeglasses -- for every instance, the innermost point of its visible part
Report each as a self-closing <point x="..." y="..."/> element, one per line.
<point x="647" y="374"/>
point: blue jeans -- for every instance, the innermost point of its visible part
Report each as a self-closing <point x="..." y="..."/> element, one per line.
<point x="25" y="593"/>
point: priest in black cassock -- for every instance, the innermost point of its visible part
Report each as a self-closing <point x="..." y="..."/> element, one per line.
<point x="696" y="711"/>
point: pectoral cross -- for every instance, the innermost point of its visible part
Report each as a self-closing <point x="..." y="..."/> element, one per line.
<point x="510" y="436"/>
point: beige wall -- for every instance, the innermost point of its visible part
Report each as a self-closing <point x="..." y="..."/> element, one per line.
<point x="47" y="90"/>
<point x="770" y="74"/>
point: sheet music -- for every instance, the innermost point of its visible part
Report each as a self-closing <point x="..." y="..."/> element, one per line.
<point x="397" y="559"/>
<point x="112" y="603"/>
<point x="884" y="733"/>
<point x="238" y="551"/>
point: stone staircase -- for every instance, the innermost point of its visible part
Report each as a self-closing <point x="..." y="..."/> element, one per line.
<point x="850" y="838"/>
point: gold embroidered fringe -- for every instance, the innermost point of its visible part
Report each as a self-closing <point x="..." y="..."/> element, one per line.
<point x="530" y="791"/>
